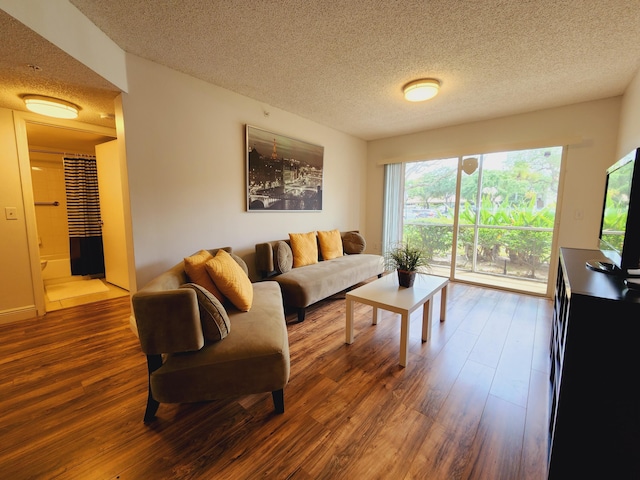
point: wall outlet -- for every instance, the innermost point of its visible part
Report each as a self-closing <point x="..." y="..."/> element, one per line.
<point x="11" y="213"/>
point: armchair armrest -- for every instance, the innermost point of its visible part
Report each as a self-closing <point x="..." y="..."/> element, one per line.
<point x="168" y="321"/>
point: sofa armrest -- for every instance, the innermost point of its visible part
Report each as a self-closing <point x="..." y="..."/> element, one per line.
<point x="168" y="321"/>
<point x="264" y="258"/>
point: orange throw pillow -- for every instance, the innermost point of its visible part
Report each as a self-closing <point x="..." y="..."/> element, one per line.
<point x="197" y="273"/>
<point x="231" y="280"/>
<point x="330" y="244"/>
<point x="305" y="248"/>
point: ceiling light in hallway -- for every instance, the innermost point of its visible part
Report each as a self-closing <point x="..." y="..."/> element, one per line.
<point x="51" y="107"/>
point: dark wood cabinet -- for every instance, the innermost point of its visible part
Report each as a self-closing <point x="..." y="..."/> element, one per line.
<point x="594" y="424"/>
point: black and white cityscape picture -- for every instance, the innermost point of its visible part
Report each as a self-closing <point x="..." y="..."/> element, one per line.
<point x="283" y="174"/>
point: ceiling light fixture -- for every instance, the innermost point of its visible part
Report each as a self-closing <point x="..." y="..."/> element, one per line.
<point x="421" y="90"/>
<point x="51" y="107"/>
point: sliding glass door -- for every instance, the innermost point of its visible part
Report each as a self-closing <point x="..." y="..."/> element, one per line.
<point x="486" y="218"/>
<point x="430" y="200"/>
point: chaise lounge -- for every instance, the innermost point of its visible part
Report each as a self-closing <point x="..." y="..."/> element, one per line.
<point x="200" y="350"/>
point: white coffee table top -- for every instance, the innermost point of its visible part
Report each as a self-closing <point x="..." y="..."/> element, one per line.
<point x="385" y="292"/>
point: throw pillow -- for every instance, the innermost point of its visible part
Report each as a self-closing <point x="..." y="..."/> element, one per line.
<point x="353" y="242"/>
<point x="231" y="280"/>
<point x="195" y="268"/>
<point x="240" y="262"/>
<point x="282" y="257"/>
<point x="305" y="248"/>
<point x="213" y="316"/>
<point x="330" y="244"/>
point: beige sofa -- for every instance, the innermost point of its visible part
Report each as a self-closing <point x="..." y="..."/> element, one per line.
<point x="304" y="286"/>
<point x="184" y="366"/>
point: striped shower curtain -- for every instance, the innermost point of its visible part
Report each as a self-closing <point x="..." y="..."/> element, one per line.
<point x="83" y="213"/>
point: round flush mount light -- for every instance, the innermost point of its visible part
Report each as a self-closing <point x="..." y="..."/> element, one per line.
<point x="421" y="90"/>
<point x="51" y="107"/>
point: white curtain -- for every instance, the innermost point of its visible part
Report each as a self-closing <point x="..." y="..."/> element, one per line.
<point x="393" y="205"/>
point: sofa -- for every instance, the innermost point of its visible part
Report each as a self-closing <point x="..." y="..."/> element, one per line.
<point x="329" y="273"/>
<point x="200" y="348"/>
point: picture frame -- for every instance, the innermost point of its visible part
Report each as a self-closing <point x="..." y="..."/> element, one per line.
<point x="283" y="174"/>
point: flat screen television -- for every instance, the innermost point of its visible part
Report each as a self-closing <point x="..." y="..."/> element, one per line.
<point x="620" y="222"/>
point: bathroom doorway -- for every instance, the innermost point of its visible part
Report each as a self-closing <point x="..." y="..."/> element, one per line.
<point x="48" y="146"/>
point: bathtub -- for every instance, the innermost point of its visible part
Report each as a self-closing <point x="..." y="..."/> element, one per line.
<point x="56" y="267"/>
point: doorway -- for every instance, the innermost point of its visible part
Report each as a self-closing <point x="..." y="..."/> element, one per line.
<point x="48" y="145"/>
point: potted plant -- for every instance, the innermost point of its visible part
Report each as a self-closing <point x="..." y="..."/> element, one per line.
<point x="407" y="260"/>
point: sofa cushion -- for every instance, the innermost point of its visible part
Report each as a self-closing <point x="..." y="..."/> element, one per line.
<point x="231" y="280"/>
<point x="213" y="316"/>
<point x="302" y="287"/>
<point x="195" y="268"/>
<point x="330" y="244"/>
<point x="282" y="257"/>
<point x="353" y="243"/>
<point x="305" y="248"/>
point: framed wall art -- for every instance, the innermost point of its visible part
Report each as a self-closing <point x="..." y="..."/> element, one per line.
<point x="283" y="174"/>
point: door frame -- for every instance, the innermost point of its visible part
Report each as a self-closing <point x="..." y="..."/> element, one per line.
<point x="21" y="119"/>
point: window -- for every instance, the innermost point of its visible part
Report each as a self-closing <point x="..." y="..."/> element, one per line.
<point x="486" y="218"/>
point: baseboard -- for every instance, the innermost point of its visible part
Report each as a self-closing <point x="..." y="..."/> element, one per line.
<point x="18" y="314"/>
<point x="133" y="326"/>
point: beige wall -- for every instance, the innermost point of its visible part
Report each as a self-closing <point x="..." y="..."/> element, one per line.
<point x="185" y="149"/>
<point x="590" y="129"/>
<point x="629" y="135"/>
<point x="16" y="292"/>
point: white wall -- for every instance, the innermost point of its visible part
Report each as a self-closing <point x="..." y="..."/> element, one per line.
<point x="629" y="135"/>
<point x="185" y="149"/>
<point x="590" y="127"/>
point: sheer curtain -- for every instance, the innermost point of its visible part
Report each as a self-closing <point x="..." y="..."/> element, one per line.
<point x="393" y="205"/>
<point x="83" y="213"/>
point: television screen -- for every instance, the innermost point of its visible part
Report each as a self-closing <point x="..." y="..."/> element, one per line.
<point x="619" y="228"/>
<point x="616" y="209"/>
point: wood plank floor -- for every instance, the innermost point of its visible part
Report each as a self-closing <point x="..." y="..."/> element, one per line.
<point x="471" y="404"/>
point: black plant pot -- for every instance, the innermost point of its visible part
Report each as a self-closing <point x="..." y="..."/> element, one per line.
<point x="405" y="278"/>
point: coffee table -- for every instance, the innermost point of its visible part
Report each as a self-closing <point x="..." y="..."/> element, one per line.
<point x="385" y="293"/>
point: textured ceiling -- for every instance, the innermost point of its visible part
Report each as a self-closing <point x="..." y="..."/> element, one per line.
<point x="30" y="64"/>
<point x="343" y="63"/>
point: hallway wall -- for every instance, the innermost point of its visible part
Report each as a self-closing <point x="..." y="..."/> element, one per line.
<point x="17" y="300"/>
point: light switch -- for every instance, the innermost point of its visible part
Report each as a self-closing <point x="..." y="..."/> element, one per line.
<point x="11" y="213"/>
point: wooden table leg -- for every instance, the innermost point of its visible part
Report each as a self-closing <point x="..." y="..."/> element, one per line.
<point x="443" y="303"/>
<point x="349" y="323"/>
<point x="404" y="339"/>
<point x="427" y="314"/>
